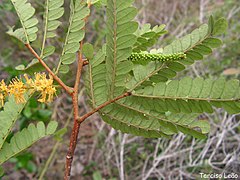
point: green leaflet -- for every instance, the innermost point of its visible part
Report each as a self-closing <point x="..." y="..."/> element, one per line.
<point x="147" y="37"/>
<point x="144" y="58"/>
<point x="33" y="67"/>
<point x="95" y="79"/>
<point x="25" y="138"/>
<point x="8" y="117"/>
<point x="140" y="118"/>
<point x="88" y="50"/>
<point x="53" y="11"/>
<point x="193" y="95"/>
<point x="119" y="44"/>
<point x="75" y="34"/>
<point x="142" y="73"/>
<point x="1" y="171"/>
<point x="199" y="42"/>
<point x="28" y="32"/>
<point x="195" y="45"/>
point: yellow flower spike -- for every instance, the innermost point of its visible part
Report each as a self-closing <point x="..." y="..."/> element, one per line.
<point x="41" y="83"/>
<point x="17" y="89"/>
<point x="29" y="81"/>
<point x="45" y="87"/>
<point x="1" y="100"/>
<point x="50" y="91"/>
<point x="43" y="97"/>
<point x="3" y="88"/>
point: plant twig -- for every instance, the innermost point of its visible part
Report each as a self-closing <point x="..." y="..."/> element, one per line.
<point x="81" y="119"/>
<point x="75" y="132"/>
<point x="72" y="147"/>
<point x="76" y="126"/>
<point x="55" y="77"/>
<point x="85" y="62"/>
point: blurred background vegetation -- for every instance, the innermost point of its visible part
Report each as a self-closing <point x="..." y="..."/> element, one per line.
<point x="103" y="153"/>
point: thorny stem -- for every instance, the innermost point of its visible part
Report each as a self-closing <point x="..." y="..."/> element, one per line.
<point x="85" y="62"/>
<point x="72" y="146"/>
<point x="76" y="126"/>
<point x="55" y="77"/>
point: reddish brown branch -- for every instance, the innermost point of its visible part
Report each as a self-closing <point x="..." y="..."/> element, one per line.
<point x="76" y="127"/>
<point x="71" y="150"/>
<point x="75" y="132"/>
<point x="68" y="89"/>
<point x="81" y="119"/>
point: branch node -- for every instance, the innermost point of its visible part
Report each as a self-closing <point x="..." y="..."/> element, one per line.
<point x="85" y="62"/>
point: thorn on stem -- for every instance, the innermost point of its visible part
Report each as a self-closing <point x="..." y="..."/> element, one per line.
<point x="69" y="157"/>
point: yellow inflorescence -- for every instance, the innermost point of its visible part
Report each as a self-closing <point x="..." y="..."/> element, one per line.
<point x="17" y="88"/>
<point x="3" y="92"/>
<point x="40" y="83"/>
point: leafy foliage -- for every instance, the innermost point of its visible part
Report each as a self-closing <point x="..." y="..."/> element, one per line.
<point x="95" y="78"/>
<point x="195" y="45"/>
<point x="120" y="39"/>
<point x="200" y="42"/>
<point x="28" y="32"/>
<point x="192" y="95"/>
<point x="147" y="37"/>
<point x="8" y="117"/>
<point x="33" y="67"/>
<point x="157" y="107"/>
<point x="139" y="118"/>
<point x="25" y="138"/>
<point x="76" y="33"/>
<point x="53" y="11"/>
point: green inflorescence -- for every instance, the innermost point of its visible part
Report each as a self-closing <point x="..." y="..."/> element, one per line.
<point x="156" y="57"/>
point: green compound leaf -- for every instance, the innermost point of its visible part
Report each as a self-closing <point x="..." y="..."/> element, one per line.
<point x="95" y="79"/>
<point x="139" y="117"/>
<point x="53" y="11"/>
<point x="25" y="138"/>
<point x="9" y="116"/>
<point x="147" y="37"/>
<point x="193" y="95"/>
<point x="75" y="34"/>
<point x="200" y="42"/>
<point x="195" y="45"/>
<point x="174" y="105"/>
<point x="33" y="67"/>
<point x="120" y="40"/>
<point x="25" y="12"/>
